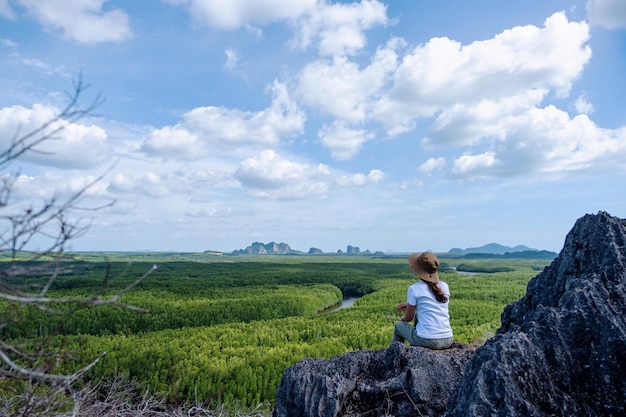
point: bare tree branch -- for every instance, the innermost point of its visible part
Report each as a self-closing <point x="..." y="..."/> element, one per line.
<point x="47" y="224"/>
<point x="71" y="113"/>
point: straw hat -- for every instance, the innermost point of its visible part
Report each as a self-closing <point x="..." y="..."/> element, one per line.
<point x="425" y="266"/>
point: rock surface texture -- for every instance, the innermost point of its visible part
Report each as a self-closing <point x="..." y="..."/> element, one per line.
<point x="561" y="351"/>
<point x="399" y="381"/>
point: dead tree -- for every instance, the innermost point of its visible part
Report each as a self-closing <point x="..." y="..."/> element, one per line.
<point x="33" y="242"/>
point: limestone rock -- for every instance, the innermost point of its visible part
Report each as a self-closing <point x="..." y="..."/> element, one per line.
<point x="353" y="250"/>
<point x="399" y="381"/>
<point x="272" y="248"/>
<point x="561" y="350"/>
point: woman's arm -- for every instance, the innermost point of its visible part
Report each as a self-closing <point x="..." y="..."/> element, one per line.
<point x="409" y="312"/>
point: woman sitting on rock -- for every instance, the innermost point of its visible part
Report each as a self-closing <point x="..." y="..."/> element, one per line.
<point x="428" y="297"/>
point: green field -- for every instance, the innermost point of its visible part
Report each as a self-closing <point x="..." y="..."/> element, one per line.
<point x="224" y="328"/>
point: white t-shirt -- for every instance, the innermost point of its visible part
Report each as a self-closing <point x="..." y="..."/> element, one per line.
<point x="433" y="319"/>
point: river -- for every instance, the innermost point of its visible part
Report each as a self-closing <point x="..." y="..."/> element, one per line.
<point x="345" y="303"/>
<point x="465" y="272"/>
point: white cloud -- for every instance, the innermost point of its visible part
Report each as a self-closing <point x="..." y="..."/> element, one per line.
<point x="67" y="145"/>
<point x="9" y="43"/>
<point x="469" y="125"/>
<point x="548" y="141"/>
<point x="608" y="13"/>
<point x="83" y="21"/>
<point x="339" y="28"/>
<point x="341" y="89"/>
<point x="149" y="184"/>
<point x="174" y="142"/>
<point x="488" y="98"/>
<point x="204" y="129"/>
<point x="269" y="175"/>
<point x="272" y="176"/>
<point x="583" y="106"/>
<point x="42" y="67"/>
<point x="232" y="59"/>
<point x="473" y="166"/>
<point x="360" y="180"/>
<point x="344" y="143"/>
<point x="235" y="14"/>
<point x="234" y="66"/>
<point x="443" y="73"/>
<point x="60" y="186"/>
<point x="432" y="164"/>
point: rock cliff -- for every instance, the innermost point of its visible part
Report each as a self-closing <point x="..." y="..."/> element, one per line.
<point x="397" y="381"/>
<point x="272" y="248"/>
<point x="561" y="351"/>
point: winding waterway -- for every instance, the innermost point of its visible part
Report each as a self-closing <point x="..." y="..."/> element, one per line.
<point x="345" y="303"/>
<point x="349" y="301"/>
<point x="465" y="272"/>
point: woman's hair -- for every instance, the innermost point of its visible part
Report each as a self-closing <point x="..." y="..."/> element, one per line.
<point x="439" y="295"/>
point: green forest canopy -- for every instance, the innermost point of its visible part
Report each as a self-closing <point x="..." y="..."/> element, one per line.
<point x="225" y="328"/>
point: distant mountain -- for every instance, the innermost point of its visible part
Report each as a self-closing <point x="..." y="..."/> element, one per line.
<point x="272" y="248"/>
<point x="493" y="248"/>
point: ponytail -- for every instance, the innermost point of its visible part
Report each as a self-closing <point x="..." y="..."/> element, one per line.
<point x="439" y="295"/>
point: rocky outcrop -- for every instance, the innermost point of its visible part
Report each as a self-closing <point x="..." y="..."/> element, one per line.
<point x="272" y="248"/>
<point x="353" y="250"/>
<point x="561" y="351"/>
<point x="399" y="381"/>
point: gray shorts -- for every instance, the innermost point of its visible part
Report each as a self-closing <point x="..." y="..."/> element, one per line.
<point x="406" y="331"/>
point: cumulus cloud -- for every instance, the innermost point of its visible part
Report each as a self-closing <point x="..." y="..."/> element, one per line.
<point x="337" y="29"/>
<point x="546" y="140"/>
<point x="583" y="106"/>
<point x="469" y="125"/>
<point x="83" y="21"/>
<point x="270" y="175"/>
<point x="174" y="142"/>
<point x="443" y="74"/>
<point x="487" y="98"/>
<point x="67" y="145"/>
<point x="235" y="14"/>
<point x="360" y="180"/>
<point x="610" y="14"/>
<point x="344" y="143"/>
<point x="29" y="190"/>
<point x="432" y="164"/>
<point x="205" y="128"/>
<point x="149" y="184"/>
<point x="339" y="88"/>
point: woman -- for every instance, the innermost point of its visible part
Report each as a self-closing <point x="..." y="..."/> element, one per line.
<point x="428" y="297"/>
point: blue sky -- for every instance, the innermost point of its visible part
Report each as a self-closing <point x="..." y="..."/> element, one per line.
<point x="393" y="126"/>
